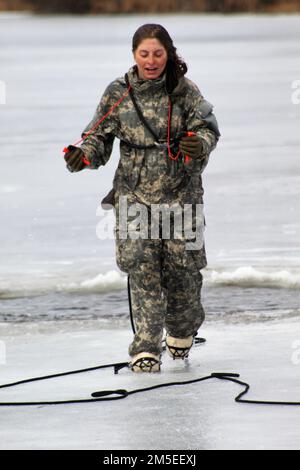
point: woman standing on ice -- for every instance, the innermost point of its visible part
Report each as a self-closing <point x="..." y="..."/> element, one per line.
<point x="160" y="117"/>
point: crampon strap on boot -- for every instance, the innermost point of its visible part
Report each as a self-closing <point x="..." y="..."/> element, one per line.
<point x="179" y="353"/>
<point x="145" y="364"/>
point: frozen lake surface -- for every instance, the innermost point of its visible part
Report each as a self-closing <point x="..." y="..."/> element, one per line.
<point x="200" y="416"/>
<point x="63" y="301"/>
<point x="56" y="68"/>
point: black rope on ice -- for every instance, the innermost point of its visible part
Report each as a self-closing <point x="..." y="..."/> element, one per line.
<point x="117" y="366"/>
<point x="119" y="394"/>
<point x="130" y="305"/>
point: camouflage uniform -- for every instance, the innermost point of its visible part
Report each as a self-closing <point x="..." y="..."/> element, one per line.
<point x="165" y="278"/>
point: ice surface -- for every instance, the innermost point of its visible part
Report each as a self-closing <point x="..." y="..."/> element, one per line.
<point x="59" y="286"/>
<point x="198" y="416"/>
<point x="244" y="64"/>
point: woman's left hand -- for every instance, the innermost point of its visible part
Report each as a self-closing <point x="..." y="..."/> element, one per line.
<point x="191" y="146"/>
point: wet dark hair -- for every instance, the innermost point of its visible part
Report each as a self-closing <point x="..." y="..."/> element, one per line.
<point x="175" y="67"/>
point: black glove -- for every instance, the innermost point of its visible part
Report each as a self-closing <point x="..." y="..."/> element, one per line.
<point x="191" y="146"/>
<point x="75" y="159"/>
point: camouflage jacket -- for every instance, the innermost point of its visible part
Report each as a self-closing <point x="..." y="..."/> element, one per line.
<point x="149" y="172"/>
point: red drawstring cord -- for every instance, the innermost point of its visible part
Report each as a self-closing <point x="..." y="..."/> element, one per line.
<point x="189" y="134"/>
<point x="187" y="159"/>
<point x="168" y="134"/>
<point x="84" y="159"/>
<point x="106" y="115"/>
<point x="87" y="162"/>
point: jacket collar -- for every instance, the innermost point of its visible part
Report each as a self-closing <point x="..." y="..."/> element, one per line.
<point x="141" y="85"/>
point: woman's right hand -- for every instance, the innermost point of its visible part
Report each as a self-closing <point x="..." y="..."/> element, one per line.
<point x="75" y="159"/>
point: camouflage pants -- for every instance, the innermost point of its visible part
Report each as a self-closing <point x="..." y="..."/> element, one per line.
<point x="165" y="284"/>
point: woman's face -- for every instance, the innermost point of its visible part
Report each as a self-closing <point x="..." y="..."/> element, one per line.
<point x="151" y="59"/>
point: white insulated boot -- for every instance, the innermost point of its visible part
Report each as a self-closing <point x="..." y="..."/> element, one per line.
<point x="145" y="362"/>
<point x="179" y="348"/>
